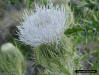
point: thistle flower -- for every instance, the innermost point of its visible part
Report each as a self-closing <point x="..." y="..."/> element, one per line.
<point x="44" y="26"/>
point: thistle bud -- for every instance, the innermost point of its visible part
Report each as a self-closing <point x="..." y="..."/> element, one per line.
<point x="11" y="60"/>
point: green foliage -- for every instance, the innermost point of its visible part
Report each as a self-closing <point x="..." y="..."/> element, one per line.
<point x="16" y="1"/>
<point x="91" y="4"/>
<point x="86" y="29"/>
<point x="28" y="2"/>
<point x="57" y="58"/>
<point x="11" y="60"/>
<point x="25" y="50"/>
<point x="86" y="22"/>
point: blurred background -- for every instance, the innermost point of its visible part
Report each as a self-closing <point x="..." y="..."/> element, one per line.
<point x="85" y="31"/>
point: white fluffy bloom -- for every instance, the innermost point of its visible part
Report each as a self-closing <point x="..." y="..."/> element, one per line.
<point x="44" y="26"/>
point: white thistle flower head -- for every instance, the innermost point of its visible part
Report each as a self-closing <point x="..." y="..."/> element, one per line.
<point x="44" y="26"/>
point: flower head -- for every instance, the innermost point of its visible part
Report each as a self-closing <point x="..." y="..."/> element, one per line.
<point x="44" y="26"/>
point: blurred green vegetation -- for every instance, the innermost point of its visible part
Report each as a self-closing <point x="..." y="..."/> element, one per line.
<point x="28" y="2"/>
<point x="86" y="29"/>
<point x="11" y="60"/>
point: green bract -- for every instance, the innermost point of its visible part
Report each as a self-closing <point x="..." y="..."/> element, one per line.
<point x="57" y="58"/>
